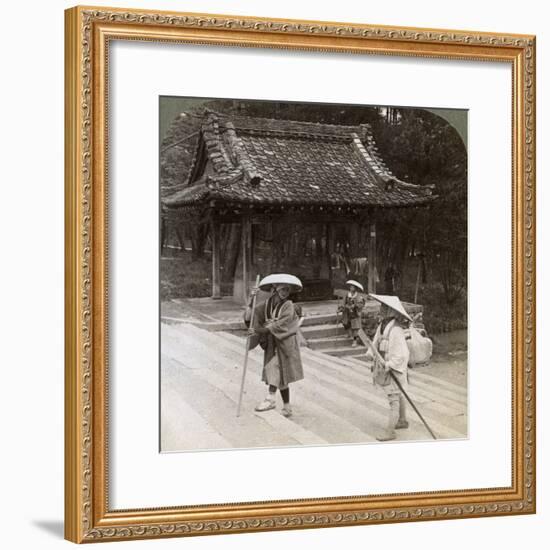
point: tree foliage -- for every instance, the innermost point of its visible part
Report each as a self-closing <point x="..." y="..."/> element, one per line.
<point x="424" y="149"/>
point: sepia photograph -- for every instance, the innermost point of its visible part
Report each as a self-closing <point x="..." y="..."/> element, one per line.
<point x="312" y="274"/>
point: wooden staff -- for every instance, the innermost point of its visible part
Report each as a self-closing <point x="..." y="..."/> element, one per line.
<point x="412" y="404"/>
<point x="367" y="341"/>
<point x="247" y="345"/>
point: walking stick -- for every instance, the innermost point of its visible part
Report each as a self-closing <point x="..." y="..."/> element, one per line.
<point x="367" y="341"/>
<point x="246" y="351"/>
<point x="412" y="404"/>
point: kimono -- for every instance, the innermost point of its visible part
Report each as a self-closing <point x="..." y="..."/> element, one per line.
<point x="392" y="346"/>
<point x="351" y="311"/>
<point x="282" y="360"/>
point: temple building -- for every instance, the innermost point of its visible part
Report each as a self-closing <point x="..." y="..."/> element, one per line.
<point x="282" y="195"/>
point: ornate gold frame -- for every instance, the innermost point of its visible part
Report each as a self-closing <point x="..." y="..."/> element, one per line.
<point x="88" y="32"/>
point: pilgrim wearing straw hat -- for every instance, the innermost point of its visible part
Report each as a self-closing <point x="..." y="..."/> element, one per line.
<point x="390" y="342"/>
<point x="354" y="303"/>
<point x="275" y="327"/>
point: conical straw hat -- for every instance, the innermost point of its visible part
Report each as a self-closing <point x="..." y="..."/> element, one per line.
<point x="279" y="279"/>
<point x="356" y="285"/>
<point x="392" y="301"/>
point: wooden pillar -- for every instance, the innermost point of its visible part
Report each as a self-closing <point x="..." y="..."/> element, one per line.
<point x="246" y="255"/>
<point x="372" y="258"/>
<point x="216" y="260"/>
<point x="329" y="249"/>
<point x="249" y="244"/>
<point x="271" y="238"/>
<point x="354" y="239"/>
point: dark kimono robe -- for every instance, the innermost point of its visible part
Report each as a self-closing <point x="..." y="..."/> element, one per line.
<point x="352" y="308"/>
<point x="280" y="344"/>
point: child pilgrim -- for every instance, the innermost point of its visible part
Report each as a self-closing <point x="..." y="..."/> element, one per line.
<point x="354" y="303"/>
<point x="393" y="356"/>
<point x="275" y="327"/>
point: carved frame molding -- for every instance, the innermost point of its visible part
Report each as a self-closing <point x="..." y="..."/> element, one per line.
<point x="88" y="32"/>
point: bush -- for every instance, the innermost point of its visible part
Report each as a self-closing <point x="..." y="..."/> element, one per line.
<point x="438" y="315"/>
<point x="181" y="277"/>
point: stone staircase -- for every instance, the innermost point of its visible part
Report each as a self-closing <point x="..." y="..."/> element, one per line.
<point x="333" y="340"/>
<point x="336" y="403"/>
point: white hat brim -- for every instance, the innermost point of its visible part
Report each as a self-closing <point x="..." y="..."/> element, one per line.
<point x="393" y="302"/>
<point x="281" y="279"/>
<point x="356" y="285"/>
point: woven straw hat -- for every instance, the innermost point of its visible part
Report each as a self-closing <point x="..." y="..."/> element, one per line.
<point x="392" y="301"/>
<point x="281" y="279"/>
<point x="357" y="285"/>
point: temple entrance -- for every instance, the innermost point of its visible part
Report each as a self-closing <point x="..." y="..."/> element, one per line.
<point x="322" y="255"/>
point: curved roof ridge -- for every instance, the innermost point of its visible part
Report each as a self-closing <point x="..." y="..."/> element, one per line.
<point x="221" y="160"/>
<point x="266" y="124"/>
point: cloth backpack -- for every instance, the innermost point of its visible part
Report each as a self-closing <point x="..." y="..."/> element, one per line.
<point x="420" y="346"/>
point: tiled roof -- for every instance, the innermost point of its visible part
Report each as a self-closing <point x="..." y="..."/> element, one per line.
<point x="282" y="162"/>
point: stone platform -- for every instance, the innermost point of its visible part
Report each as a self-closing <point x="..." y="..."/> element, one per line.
<point x="321" y="327"/>
<point x="227" y="314"/>
<point x="336" y="403"/>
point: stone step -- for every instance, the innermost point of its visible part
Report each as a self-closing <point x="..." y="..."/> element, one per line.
<point x="362" y="357"/>
<point x="329" y="342"/>
<point x="344" y="376"/>
<point x="449" y="404"/>
<point x="424" y="380"/>
<point x="322" y="331"/>
<point x="323" y="406"/>
<point x="356" y="351"/>
<point x="313" y="423"/>
<point x="335" y="403"/>
<point x="426" y="386"/>
<point x="211" y="326"/>
<point x="354" y="367"/>
<point x="444" y="419"/>
<point x="321" y="319"/>
<point x="352" y="396"/>
<point x="281" y="425"/>
<point x="314" y="322"/>
<point x="185" y="428"/>
<point x="216" y="406"/>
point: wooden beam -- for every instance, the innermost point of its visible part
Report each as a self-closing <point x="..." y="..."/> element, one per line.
<point x="216" y="260"/>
